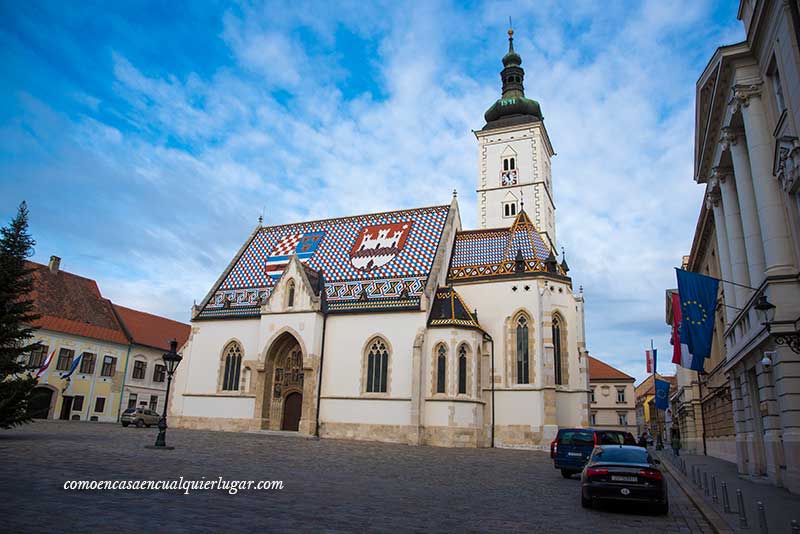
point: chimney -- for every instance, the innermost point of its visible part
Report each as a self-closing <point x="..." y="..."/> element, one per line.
<point x="55" y="263"/>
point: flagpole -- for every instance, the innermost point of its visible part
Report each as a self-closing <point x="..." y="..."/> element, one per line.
<point x="655" y="393"/>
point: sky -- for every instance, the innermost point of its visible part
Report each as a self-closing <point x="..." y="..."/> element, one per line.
<point x="147" y="137"/>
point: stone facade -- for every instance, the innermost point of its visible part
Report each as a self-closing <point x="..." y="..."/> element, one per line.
<point x="748" y="115"/>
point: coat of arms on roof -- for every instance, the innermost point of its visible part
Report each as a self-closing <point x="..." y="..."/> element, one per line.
<point x="302" y="244"/>
<point x="379" y="244"/>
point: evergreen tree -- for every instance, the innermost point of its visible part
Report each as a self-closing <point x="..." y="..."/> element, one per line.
<point x="16" y="316"/>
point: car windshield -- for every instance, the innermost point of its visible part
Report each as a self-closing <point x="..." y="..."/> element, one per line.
<point x="130" y="410"/>
<point x="611" y="438"/>
<point x="629" y="455"/>
<point x="576" y="437"/>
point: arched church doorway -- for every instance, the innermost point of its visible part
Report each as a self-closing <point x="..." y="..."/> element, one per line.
<point x="41" y="402"/>
<point x="292" y="408"/>
<point x="283" y="392"/>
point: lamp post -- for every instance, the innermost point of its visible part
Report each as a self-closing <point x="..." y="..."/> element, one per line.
<point x="766" y="310"/>
<point x="171" y="361"/>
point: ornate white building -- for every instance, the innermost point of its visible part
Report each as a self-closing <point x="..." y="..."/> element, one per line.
<point x="401" y="326"/>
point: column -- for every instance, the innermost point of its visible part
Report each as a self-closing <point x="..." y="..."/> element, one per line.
<point x="736" y="244"/>
<point x="774" y="228"/>
<point x="734" y="140"/>
<point x="720" y="225"/>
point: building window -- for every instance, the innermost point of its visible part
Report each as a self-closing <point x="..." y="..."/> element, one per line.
<point x="508" y="176"/>
<point x="509" y="209"/>
<point x="557" y="355"/>
<point x="591" y="396"/>
<point x="77" y="403"/>
<point x="623" y="418"/>
<point x="523" y="357"/>
<point x="620" y="395"/>
<point x="441" y="369"/>
<point x="777" y="88"/>
<point x="139" y="369"/>
<point x="232" y="369"/>
<point x="593" y="418"/>
<point x="159" y="372"/>
<point x="100" y="404"/>
<point x="377" y="367"/>
<point x="65" y="357"/>
<point x="37" y="356"/>
<point x="290" y="296"/>
<point x="462" y="370"/>
<point x="87" y="363"/>
<point x="109" y="366"/>
<point x="132" y="398"/>
<point x="153" y="402"/>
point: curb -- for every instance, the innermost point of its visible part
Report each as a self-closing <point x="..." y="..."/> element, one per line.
<point x="713" y="518"/>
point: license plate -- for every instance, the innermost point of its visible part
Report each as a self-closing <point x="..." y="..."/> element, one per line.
<point x="618" y="478"/>
<point x="574" y="454"/>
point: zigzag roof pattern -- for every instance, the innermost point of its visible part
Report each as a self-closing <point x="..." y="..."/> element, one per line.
<point x="368" y="262"/>
<point x="448" y="309"/>
<point x="496" y="252"/>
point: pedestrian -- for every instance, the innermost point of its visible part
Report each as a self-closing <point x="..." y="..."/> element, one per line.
<point x="643" y="440"/>
<point x="676" y="441"/>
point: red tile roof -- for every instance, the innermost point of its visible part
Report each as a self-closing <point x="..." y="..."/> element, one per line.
<point x="73" y="304"/>
<point x="152" y="330"/>
<point x="602" y="371"/>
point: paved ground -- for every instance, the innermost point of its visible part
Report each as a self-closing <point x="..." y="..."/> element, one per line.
<point x="330" y="486"/>
<point x="780" y="506"/>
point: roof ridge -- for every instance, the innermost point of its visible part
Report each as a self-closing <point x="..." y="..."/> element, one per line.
<point x="348" y="217"/>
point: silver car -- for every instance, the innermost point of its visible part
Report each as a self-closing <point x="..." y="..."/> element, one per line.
<point x="140" y="417"/>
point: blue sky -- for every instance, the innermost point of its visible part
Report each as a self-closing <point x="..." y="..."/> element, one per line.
<point x="147" y="137"/>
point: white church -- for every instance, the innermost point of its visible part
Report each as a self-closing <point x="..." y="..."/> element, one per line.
<point x="402" y="326"/>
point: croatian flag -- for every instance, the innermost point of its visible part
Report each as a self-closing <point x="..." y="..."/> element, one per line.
<point x="304" y="245"/>
<point x="651" y="360"/>
<point x="45" y="364"/>
<point x="681" y="355"/>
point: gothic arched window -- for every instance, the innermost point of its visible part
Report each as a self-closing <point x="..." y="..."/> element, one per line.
<point x="377" y="366"/>
<point x="523" y="357"/>
<point x="290" y="296"/>
<point x="462" y="369"/>
<point x="557" y="349"/>
<point x="232" y="363"/>
<point x="441" y="369"/>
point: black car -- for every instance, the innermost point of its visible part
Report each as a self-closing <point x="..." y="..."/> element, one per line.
<point x="571" y="449"/>
<point x="624" y="473"/>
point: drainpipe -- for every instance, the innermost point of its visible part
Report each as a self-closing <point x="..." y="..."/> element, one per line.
<point x="324" y="307"/>
<point x="487" y="337"/>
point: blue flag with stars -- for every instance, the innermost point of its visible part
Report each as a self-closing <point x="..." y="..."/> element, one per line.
<point x="662" y="394"/>
<point x="698" y="296"/>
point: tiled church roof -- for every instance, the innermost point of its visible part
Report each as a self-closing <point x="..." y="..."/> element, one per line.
<point x="496" y="252"/>
<point x="375" y="261"/>
<point x="448" y="309"/>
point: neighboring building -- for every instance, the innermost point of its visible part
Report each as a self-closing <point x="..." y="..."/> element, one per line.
<point x="747" y="154"/>
<point x="77" y="321"/>
<point x="146" y="377"/>
<point x="647" y="417"/>
<point x="701" y="404"/>
<point x="401" y="326"/>
<point x="612" y="399"/>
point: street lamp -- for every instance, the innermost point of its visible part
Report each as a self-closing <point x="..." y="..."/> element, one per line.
<point x="171" y="360"/>
<point x="766" y="310"/>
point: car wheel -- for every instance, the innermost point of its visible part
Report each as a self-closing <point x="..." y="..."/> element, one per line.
<point x="662" y="509"/>
<point x="586" y="503"/>
<point x="566" y="473"/>
<point x="139" y="424"/>
<point x="125" y="425"/>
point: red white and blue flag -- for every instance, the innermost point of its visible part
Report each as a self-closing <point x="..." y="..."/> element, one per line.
<point x="651" y="360"/>
<point x="680" y="349"/>
<point x="45" y="364"/>
<point x="303" y="244"/>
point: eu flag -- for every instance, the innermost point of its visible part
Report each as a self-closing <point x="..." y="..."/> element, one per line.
<point x="662" y="394"/>
<point x="698" y="296"/>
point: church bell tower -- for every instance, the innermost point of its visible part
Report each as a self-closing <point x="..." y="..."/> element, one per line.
<point x="514" y="153"/>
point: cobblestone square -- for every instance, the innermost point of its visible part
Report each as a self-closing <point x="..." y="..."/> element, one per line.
<point x="329" y="485"/>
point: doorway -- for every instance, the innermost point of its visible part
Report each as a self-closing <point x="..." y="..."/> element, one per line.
<point x="66" y="408"/>
<point x="41" y="401"/>
<point x="292" y="406"/>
